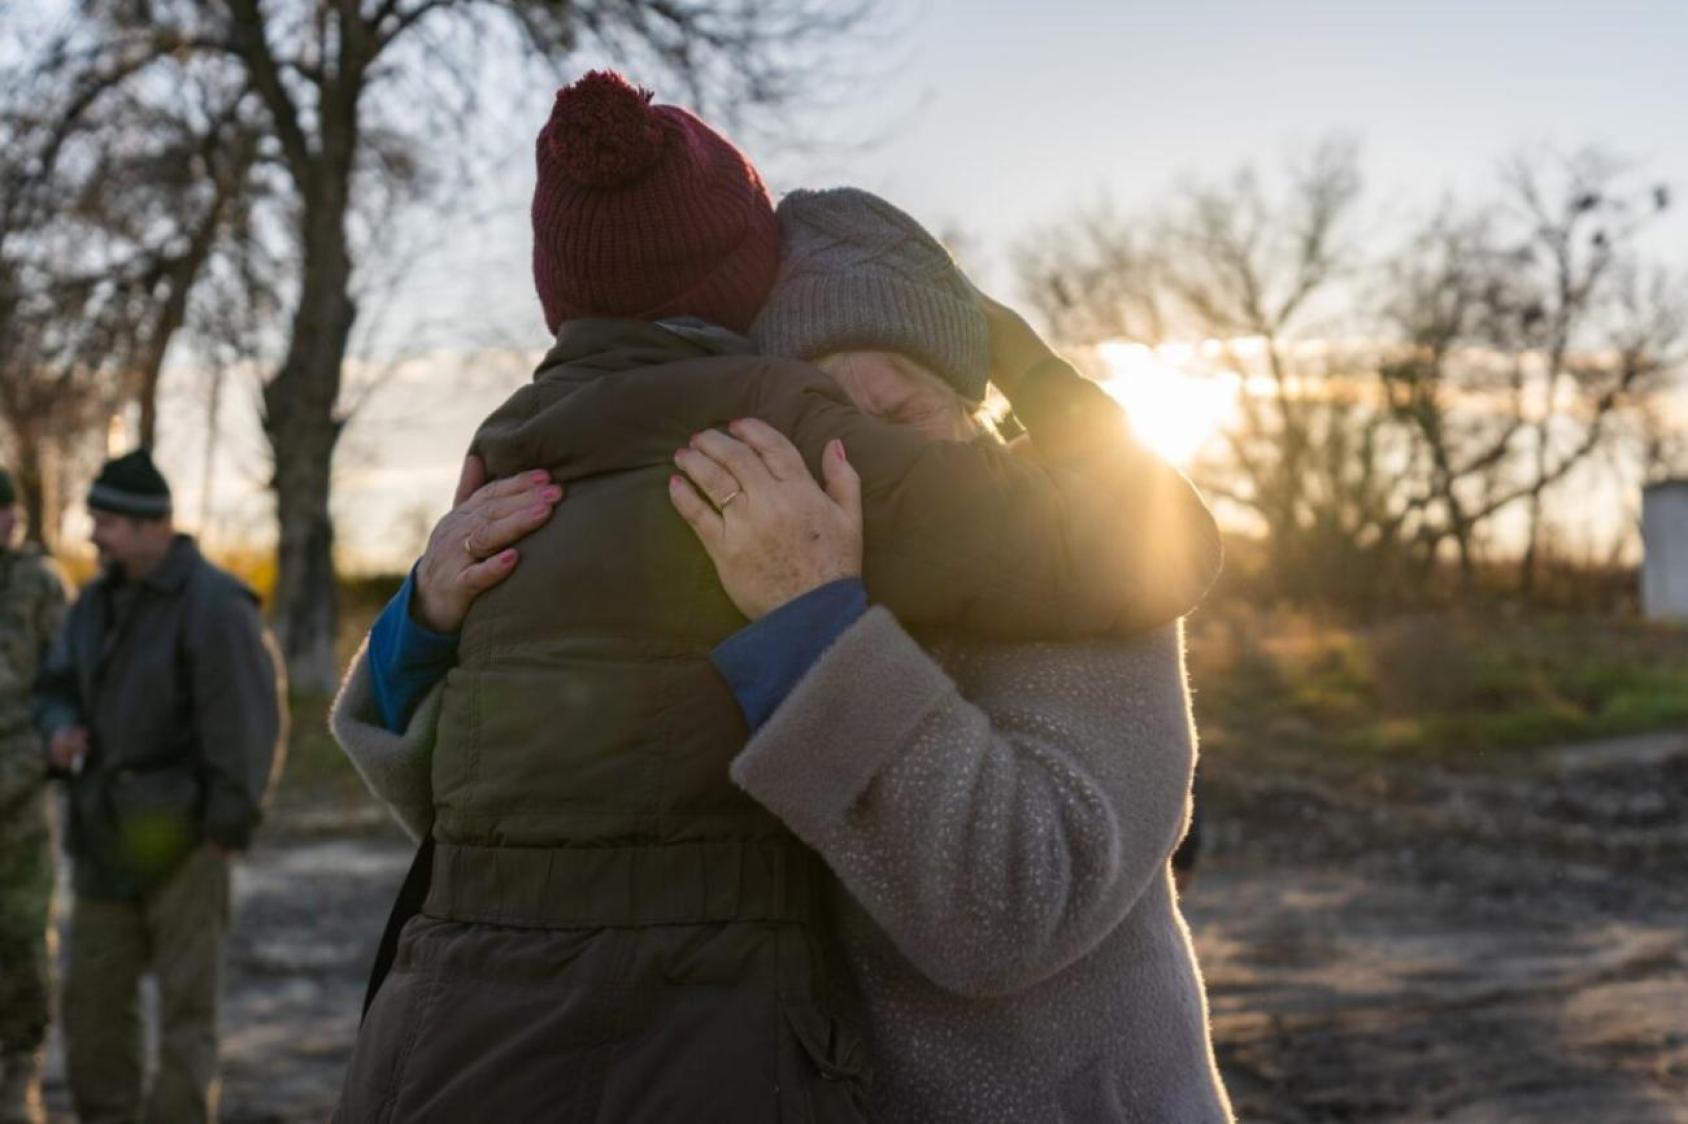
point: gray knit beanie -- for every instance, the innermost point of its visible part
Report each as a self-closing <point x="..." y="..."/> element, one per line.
<point x="858" y="274"/>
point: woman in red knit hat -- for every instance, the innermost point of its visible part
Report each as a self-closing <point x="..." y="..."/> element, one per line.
<point x="643" y="211"/>
<point x="612" y="930"/>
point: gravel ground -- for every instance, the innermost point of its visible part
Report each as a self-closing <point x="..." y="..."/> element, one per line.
<point x="1504" y="946"/>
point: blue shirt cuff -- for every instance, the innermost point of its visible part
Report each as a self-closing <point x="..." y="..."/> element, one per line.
<point x="405" y="659"/>
<point x="766" y="659"/>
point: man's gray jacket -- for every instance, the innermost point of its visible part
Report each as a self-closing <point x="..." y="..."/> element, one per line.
<point x="181" y="691"/>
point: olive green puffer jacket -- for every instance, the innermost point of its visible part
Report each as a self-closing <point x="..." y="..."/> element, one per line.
<point x="613" y="930"/>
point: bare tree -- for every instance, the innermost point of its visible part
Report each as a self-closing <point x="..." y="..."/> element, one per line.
<point x="1253" y="267"/>
<point x="56" y="380"/>
<point x="1498" y="350"/>
<point x="114" y="210"/>
<point x="1245" y="265"/>
<point x="1456" y="378"/>
<point x="345" y="88"/>
<point x="64" y="331"/>
<point x="1527" y="330"/>
<point x="1096" y="277"/>
<point x="1577" y="263"/>
<point x="198" y="185"/>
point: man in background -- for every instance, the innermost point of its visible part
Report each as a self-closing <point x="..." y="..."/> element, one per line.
<point x="32" y="601"/>
<point x="162" y="703"/>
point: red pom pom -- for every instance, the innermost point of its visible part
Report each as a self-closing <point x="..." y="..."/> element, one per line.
<point x="603" y="131"/>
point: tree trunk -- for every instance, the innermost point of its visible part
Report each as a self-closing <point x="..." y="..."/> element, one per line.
<point x="1532" y="530"/>
<point x="152" y="366"/>
<point x="305" y="607"/>
<point x="1459" y="527"/>
<point x="1532" y="543"/>
<point x="1467" y="561"/>
<point x="34" y="482"/>
<point x="303" y="427"/>
<point x="213" y="414"/>
<point x="171" y="316"/>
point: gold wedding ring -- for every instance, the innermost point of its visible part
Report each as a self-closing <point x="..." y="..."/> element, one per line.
<point x="722" y="506"/>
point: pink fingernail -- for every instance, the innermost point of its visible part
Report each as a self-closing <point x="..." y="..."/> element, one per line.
<point x="540" y="476"/>
<point x="553" y="494"/>
<point x="507" y="558"/>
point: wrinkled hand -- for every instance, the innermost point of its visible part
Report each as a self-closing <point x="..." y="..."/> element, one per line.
<point x="68" y="748"/>
<point x="467" y="553"/>
<point x="771" y="531"/>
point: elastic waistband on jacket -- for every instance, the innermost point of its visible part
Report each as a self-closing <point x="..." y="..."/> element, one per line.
<point x="592" y="887"/>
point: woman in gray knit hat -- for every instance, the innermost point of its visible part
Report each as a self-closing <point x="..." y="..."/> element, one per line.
<point x="1000" y="816"/>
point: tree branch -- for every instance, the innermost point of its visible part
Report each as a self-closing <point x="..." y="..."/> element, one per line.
<point x="248" y="39"/>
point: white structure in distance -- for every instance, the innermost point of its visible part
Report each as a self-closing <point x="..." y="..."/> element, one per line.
<point x="1664" y="537"/>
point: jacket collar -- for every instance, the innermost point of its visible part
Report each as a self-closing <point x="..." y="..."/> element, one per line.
<point x="595" y="346"/>
<point x="178" y="565"/>
<point x="171" y="574"/>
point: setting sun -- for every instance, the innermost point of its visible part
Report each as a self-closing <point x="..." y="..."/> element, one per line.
<point x="1175" y="413"/>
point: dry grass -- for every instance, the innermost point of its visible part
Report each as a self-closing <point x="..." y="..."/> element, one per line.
<point x="1447" y="683"/>
<point x="1313" y="687"/>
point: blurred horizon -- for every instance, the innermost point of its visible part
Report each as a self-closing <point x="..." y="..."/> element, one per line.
<point x="988" y="124"/>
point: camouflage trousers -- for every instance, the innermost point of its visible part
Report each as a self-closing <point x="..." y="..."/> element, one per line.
<point x="26" y="894"/>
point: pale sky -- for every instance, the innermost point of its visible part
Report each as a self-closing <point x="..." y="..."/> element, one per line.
<point x="993" y="118"/>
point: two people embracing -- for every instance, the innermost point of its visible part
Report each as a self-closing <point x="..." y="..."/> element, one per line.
<point x="785" y="744"/>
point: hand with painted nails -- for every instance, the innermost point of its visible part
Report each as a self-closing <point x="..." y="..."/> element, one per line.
<point x="470" y="548"/>
<point x="771" y="531"/>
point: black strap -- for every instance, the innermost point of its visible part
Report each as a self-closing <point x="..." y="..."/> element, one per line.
<point x="408" y="904"/>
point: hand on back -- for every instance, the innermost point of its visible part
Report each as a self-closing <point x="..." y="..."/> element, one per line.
<point x="771" y="531"/>
<point x="470" y="548"/>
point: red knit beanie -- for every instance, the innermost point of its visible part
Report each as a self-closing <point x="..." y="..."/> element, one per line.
<point x="644" y="211"/>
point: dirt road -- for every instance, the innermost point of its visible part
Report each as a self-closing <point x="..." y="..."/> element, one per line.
<point x="1508" y="942"/>
<point x="1506" y="946"/>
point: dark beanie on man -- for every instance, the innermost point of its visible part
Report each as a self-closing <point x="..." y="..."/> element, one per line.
<point x="857" y="274"/>
<point x="644" y="211"/>
<point x="131" y="485"/>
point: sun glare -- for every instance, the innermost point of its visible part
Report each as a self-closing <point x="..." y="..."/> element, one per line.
<point x="1172" y="412"/>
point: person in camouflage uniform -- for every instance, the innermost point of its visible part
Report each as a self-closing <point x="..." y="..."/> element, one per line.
<point x="32" y="606"/>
